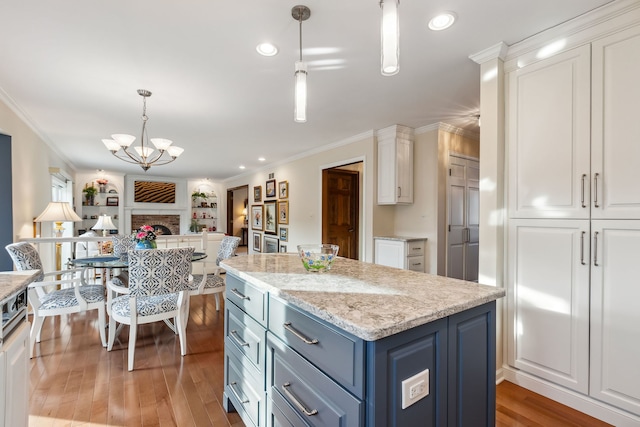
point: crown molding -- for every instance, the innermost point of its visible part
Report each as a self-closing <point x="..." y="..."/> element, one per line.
<point x="497" y="51"/>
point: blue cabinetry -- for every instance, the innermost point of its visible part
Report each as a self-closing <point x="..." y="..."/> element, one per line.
<point x="313" y="373"/>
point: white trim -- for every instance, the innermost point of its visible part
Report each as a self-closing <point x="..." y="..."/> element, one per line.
<point x="497" y="51"/>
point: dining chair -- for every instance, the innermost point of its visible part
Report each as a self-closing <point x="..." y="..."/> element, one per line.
<point x="122" y="245"/>
<point x="158" y="290"/>
<point x="212" y="282"/>
<point x="53" y="296"/>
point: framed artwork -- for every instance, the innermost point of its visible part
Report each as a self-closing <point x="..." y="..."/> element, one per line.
<point x="270" y="245"/>
<point x="257" y="214"/>
<point x="270" y="188"/>
<point x="283" y="248"/>
<point x="283" y="190"/>
<point x="257" y="193"/>
<point x="154" y="192"/>
<point x="283" y="212"/>
<point x="270" y="217"/>
<point x="284" y="234"/>
<point x="257" y="239"/>
<point x="112" y="201"/>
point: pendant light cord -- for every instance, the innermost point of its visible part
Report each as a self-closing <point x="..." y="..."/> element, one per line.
<point x="300" y="22"/>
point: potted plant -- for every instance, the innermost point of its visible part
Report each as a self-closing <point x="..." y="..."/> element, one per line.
<point x="196" y="195"/>
<point x="145" y="238"/>
<point x="90" y="194"/>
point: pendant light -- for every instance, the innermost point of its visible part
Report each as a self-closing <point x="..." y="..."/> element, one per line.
<point x="390" y="38"/>
<point x="300" y="13"/>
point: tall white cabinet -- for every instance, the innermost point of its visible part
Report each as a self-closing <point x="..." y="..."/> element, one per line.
<point x="573" y="236"/>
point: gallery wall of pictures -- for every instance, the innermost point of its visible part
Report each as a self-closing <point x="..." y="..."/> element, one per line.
<point x="270" y="216"/>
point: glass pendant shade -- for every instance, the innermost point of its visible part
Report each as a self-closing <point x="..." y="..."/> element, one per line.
<point x="123" y="139"/>
<point x="300" y="104"/>
<point x="111" y="145"/>
<point x="144" y="152"/>
<point x="390" y="34"/>
<point x="161" y="143"/>
<point x="174" y="151"/>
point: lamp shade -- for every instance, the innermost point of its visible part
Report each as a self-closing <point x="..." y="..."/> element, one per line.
<point x="58" y="212"/>
<point x="104" y="223"/>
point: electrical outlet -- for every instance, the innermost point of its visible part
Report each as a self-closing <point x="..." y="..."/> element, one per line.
<point x="415" y="388"/>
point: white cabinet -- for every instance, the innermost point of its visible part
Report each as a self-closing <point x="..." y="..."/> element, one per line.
<point x="395" y="165"/>
<point x="573" y="245"/>
<point x="400" y="252"/>
<point x="615" y="336"/>
<point x="14" y="378"/>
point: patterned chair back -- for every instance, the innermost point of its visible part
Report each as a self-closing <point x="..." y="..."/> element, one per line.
<point x="159" y="271"/>
<point x="228" y="247"/>
<point x="122" y="244"/>
<point x="26" y="257"/>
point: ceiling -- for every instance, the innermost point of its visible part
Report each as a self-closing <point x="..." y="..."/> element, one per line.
<point x="71" y="68"/>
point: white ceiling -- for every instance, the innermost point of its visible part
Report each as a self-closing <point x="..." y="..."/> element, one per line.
<point x="72" y="68"/>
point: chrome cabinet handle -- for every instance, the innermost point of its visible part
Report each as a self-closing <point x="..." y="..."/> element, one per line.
<point x="240" y="341"/>
<point x="584" y="177"/>
<point x="399" y="191"/>
<point x="238" y="294"/>
<point x="288" y="327"/>
<point x="595" y="190"/>
<point x="595" y="249"/>
<point x="285" y="388"/>
<point x="232" y="387"/>
<point x="416" y="249"/>
<point x="582" y="248"/>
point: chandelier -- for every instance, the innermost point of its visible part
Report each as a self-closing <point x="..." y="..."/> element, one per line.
<point x="143" y="155"/>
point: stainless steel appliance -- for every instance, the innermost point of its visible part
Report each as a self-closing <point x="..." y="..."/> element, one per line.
<point x="14" y="312"/>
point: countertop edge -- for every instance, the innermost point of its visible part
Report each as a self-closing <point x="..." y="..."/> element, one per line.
<point x="14" y="281"/>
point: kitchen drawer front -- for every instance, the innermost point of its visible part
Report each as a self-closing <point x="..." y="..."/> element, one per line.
<point x="339" y="355"/>
<point x="249" y="298"/>
<point x="244" y="387"/>
<point x="245" y="334"/>
<point x="415" y="263"/>
<point x="282" y="414"/>
<point x="295" y="383"/>
<point x="415" y="247"/>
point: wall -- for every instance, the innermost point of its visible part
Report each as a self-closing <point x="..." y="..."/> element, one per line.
<point x="304" y="175"/>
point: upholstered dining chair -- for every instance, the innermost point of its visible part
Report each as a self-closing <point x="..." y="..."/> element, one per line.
<point x="213" y="282"/>
<point x="47" y="300"/>
<point x="158" y="290"/>
<point x="122" y="245"/>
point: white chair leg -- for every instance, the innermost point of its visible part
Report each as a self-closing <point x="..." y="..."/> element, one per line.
<point x="102" y="324"/>
<point x="38" y="322"/>
<point x="181" y="327"/>
<point x="133" y="331"/>
<point x="35" y="331"/>
<point x="217" y="296"/>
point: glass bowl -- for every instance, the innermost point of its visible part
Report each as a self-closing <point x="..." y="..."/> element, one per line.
<point x="318" y="257"/>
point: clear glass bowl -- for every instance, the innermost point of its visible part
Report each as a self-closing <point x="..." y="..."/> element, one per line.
<point x="318" y="257"/>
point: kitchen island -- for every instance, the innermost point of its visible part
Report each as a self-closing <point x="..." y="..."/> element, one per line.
<point x="360" y="345"/>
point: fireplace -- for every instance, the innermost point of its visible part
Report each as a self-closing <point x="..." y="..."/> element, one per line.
<point x="163" y="224"/>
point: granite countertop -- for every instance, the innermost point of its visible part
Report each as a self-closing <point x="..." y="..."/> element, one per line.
<point x="13" y="281"/>
<point x="367" y="300"/>
<point x="400" y="238"/>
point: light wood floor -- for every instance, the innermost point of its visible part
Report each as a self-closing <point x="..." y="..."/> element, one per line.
<point x="76" y="382"/>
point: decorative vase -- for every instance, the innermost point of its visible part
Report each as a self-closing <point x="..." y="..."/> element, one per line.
<point x="146" y="244"/>
<point x="102" y="188"/>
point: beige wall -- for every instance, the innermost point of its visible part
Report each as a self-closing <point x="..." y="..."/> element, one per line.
<point x="31" y="158"/>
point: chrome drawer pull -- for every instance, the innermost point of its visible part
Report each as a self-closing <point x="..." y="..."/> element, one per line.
<point x="232" y="387"/>
<point x="584" y="177"/>
<point x="236" y="337"/>
<point x="238" y="294"/>
<point x="296" y="402"/>
<point x="595" y="191"/>
<point x="416" y="249"/>
<point x="306" y="340"/>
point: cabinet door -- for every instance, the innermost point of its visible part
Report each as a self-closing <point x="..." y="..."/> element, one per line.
<point x="615" y="336"/>
<point x="615" y="148"/>
<point x="16" y="350"/>
<point x="548" y="132"/>
<point x="404" y="170"/>
<point x="548" y="305"/>
<point x="391" y="253"/>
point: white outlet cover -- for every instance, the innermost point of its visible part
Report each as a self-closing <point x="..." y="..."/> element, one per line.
<point x="420" y="384"/>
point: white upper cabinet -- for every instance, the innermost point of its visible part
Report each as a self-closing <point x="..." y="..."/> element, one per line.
<point x="616" y="126"/>
<point x="395" y="165"/>
<point x="548" y="137"/>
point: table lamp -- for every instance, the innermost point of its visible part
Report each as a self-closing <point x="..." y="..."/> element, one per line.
<point x="104" y="223"/>
<point x="58" y="212"/>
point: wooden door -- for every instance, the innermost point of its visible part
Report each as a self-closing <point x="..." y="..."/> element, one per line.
<point x="340" y="195"/>
<point x="229" y="212"/>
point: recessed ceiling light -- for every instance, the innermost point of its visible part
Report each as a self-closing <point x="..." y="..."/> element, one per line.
<point x="241" y="166"/>
<point x="261" y="159"/>
<point x="267" y="49"/>
<point x="442" y="21"/>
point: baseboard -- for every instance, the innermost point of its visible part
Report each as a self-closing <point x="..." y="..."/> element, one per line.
<point x="499" y="376"/>
<point x="577" y="401"/>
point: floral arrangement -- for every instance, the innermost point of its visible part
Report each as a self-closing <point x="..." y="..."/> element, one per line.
<point x="145" y="232"/>
<point x="102" y="181"/>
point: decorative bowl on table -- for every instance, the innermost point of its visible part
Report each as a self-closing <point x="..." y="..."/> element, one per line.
<point x="318" y="257"/>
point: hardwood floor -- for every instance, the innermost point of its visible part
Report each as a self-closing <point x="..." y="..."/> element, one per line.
<point x="76" y="382"/>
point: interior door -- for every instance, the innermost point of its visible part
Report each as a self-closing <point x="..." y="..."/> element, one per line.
<point x="463" y="198"/>
<point x="340" y="207"/>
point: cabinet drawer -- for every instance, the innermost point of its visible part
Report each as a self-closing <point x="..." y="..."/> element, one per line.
<point x="416" y="263"/>
<point x="243" y="388"/>
<point x="250" y="299"/>
<point x="283" y="415"/>
<point x="339" y="355"/>
<point x="415" y="247"/>
<point x="245" y="335"/>
<point x="296" y="385"/>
